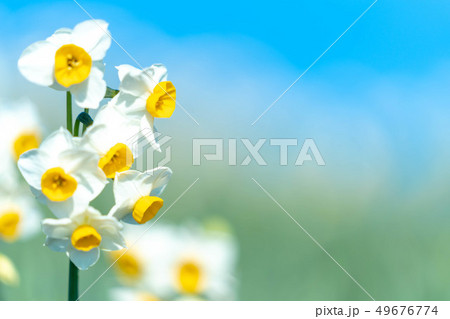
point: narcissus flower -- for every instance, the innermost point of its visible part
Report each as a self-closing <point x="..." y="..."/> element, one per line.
<point x="8" y="273"/>
<point x="139" y="267"/>
<point x="61" y="174"/>
<point x="146" y="94"/>
<point x="150" y="89"/>
<point x="203" y="264"/>
<point x="114" y="137"/>
<point x="19" y="216"/>
<point x="20" y="129"/>
<point x="174" y="262"/>
<point x="137" y="194"/>
<point x="130" y="294"/>
<point x="71" y="60"/>
<point x="83" y="235"/>
<point x="133" y="266"/>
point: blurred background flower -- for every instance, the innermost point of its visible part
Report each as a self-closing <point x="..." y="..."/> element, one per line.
<point x="177" y="262"/>
<point x="8" y="272"/>
<point x="20" y="131"/>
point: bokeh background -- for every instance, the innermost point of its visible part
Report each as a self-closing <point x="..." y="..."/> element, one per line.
<point x="377" y="106"/>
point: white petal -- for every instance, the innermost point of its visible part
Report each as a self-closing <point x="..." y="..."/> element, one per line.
<point x="60" y="37"/>
<point x="37" y="63"/>
<point x="83" y="166"/>
<point x="109" y="113"/>
<point x="58" y="87"/>
<point x="86" y="216"/>
<point x="77" y="203"/>
<point x="129" y="219"/>
<point x="101" y="137"/>
<point x="126" y="186"/>
<point x="109" y="228"/>
<point x="159" y="178"/>
<point x="91" y="91"/>
<point x="83" y="259"/>
<point x="118" y="126"/>
<point x="58" y="228"/>
<point x="149" y="132"/>
<point x="113" y="242"/>
<point x="59" y="245"/>
<point x="139" y="82"/>
<point x="91" y="185"/>
<point x="78" y="160"/>
<point x="123" y="209"/>
<point x="134" y="81"/>
<point x="97" y="139"/>
<point x="106" y="224"/>
<point x="113" y="115"/>
<point x="152" y="182"/>
<point x="30" y="218"/>
<point x="32" y="165"/>
<point x="155" y="74"/>
<point x="94" y="37"/>
<point x="130" y="104"/>
<point x="57" y="142"/>
<point x="124" y="69"/>
<point x="39" y="195"/>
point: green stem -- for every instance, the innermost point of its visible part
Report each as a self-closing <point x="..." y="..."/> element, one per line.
<point x="69" y="111"/>
<point x="76" y="129"/>
<point x="73" y="270"/>
<point x="73" y="282"/>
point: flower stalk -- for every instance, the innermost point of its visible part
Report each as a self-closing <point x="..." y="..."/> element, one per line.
<point x="73" y="282"/>
<point x="73" y="270"/>
<point x="69" y="111"/>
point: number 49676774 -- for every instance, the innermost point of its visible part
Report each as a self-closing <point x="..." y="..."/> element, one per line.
<point x="407" y="310"/>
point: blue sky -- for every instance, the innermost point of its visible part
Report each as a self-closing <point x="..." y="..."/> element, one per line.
<point x="406" y="35"/>
<point x="378" y="98"/>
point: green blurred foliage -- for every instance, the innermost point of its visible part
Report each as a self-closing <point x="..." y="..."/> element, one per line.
<point x="394" y="246"/>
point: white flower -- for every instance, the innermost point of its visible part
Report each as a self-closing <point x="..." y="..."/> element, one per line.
<point x="20" y="131"/>
<point x="177" y="263"/>
<point x="61" y="174"/>
<point x="130" y="294"/>
<point x="114" y="137"/>
<point x="82" y="235"/>
<point x="137" y="267"/>
<point x="146" y="94"/>
<point x="137" y="194"/>
<point x="71" y="60"/>
<point x="203" y="264"/>
<point x="19" y="216"/>
<point x="8" y="272"/>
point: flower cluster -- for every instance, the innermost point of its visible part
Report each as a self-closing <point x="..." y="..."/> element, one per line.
<point x="66" y="172"/>
<point x="191" y="262"/>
